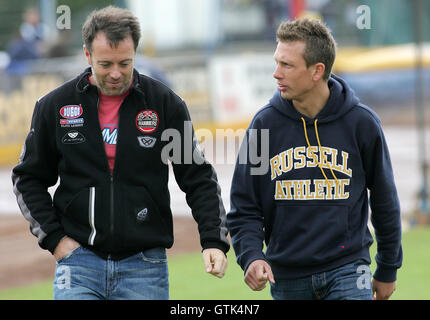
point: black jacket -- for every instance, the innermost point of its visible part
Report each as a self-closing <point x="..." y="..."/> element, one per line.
<point x="117" y="214"/>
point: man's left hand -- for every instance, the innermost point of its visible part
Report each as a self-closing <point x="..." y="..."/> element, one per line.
<point x="382" y="290"/>
<point x="215" y="262"/>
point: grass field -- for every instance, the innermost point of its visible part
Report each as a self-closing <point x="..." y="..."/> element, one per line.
<point x="188" y="280"/>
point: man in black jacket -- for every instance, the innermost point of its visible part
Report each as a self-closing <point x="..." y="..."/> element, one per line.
<point x="104" y="135"/>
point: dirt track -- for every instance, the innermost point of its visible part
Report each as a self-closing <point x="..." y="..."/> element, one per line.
<point x="22" y="261"/>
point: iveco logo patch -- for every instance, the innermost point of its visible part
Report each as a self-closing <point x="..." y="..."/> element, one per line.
<point x="146" y="141"/>
<point x="71" y="111"/>
<point x="73" y="137"/>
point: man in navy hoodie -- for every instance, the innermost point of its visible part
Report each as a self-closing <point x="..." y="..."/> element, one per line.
<point x="327" y="158"/>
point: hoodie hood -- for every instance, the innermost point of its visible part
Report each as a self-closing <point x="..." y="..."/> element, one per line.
<point x="342" y="99"/>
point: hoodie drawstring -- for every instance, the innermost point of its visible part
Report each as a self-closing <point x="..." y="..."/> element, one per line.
<point x="322" y="156"/>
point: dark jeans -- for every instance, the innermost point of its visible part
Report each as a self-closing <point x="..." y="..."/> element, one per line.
<point x="348" y="282"/>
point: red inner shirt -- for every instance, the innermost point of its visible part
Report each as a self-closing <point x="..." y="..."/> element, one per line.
<point x="108" y="118"/>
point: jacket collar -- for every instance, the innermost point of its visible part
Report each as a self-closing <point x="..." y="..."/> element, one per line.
<point x="83" y="83"/>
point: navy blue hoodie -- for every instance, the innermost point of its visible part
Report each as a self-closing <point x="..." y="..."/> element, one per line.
<point x="311" y="205"/>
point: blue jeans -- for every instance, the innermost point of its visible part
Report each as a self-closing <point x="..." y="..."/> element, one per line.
<point x="349" y="282"/>
<point x="82" y="275"/>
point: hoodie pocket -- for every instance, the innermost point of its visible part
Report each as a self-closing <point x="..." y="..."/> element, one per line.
<point x="308" y="235"/>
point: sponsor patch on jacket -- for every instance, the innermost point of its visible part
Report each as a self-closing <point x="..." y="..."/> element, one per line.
<point x="146" y="141"/>
<point x="147" y="121"/>
<point x="73" y="137"/>
<point x="66" y="123"/>
<point x="71" y="111"/>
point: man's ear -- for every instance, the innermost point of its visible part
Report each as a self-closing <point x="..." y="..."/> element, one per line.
<point x="87" y="54"/>
<point x="318" y="71"/>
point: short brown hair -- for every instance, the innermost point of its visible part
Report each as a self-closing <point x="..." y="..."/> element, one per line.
<point x="116" y="23"/>
<point x="320" y="44"/>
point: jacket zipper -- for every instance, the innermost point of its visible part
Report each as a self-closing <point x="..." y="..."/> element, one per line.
<point x="111" y="174"/>
<point x="111" y="202"/>
<point x="112" y="212"/>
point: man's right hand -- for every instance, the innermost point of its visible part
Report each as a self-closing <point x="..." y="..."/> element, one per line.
<point x="65" y="246"/>
<point x="257" y="275"/>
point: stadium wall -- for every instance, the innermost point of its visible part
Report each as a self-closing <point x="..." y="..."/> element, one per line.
<point x="222" y="91"/>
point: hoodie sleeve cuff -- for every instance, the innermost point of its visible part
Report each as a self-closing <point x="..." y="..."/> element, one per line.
<point x="385" y="274"/>
<point x="250" y="257"/>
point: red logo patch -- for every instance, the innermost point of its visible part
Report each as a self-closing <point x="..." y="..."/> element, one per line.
<point x="71" y="111"/>
<point x="147" y="121"/>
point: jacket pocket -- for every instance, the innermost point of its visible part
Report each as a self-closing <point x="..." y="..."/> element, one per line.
<point x="76" y="216"/>
<point x="85" y="216"/>
<point x="142" y="223"/>
<point x="308" y="235"/>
